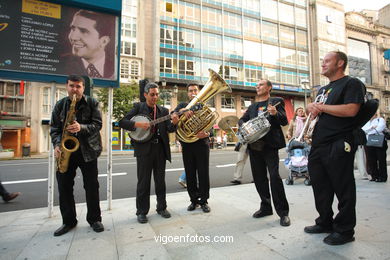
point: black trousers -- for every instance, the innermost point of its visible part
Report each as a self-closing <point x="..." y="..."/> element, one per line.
<point x="196" y="164"/>
<point x="65" y="182"/>
<point x="155" y="161"/>
<point x="331" y="173"/>
<point x="260" y="162"/>
<point x="376" y="161"/>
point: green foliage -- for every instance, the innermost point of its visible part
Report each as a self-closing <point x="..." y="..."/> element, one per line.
<point x="124" y="97"/>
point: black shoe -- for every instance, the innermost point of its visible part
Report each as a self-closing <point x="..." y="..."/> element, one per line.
<point x="192" y="206"/>
<point x="262" y="213"/>
<point x="335" y="239"/>
<point x="11" y="196"/>
<point x="285" y="221"/>
<point x="380" y="180"/>
<point x="63" y="230"/>
<point x="164" y="213"/>
<point x="235" y="182"/>
<point x="205" y="208"/>
<point x="373" y="179"/>
<point x="97" y="226"/>
<point x="317" y="229"/>
<point x="142" y="218"/>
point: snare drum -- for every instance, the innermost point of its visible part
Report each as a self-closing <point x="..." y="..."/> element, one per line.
<point x="254" y="129"/>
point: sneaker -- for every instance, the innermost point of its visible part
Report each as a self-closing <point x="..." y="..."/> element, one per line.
<point x="235" y="182"/>
<point x="183" y="183"/>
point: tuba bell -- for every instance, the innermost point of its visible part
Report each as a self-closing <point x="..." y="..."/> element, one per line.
<point x="202" y="119"/>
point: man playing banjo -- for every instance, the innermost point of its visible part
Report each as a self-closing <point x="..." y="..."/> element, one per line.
<point x="151" y="154"/>
<point x="263" y="153"/>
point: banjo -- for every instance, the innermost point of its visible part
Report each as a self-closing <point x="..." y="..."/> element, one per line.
<point x="141" y="135"/>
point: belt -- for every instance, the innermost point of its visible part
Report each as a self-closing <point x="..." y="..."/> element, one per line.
<point x="154" y="141"/>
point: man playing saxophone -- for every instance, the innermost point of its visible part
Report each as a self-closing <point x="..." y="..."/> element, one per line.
<point x="85" y="128"/>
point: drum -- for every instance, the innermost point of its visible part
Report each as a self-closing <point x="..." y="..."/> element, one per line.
<point x="254" y="129"/>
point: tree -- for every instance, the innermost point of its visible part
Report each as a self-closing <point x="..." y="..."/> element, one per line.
<point x="124" y="97"/>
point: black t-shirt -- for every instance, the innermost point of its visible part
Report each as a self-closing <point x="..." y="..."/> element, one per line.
<point x="342" y="91"/>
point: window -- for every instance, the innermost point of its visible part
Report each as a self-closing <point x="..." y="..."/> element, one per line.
<point x="129" y="27"/>
<point x="271" y="74"/>
<point x="246" y="102"/>
<point x="168" y="7"/>
<point x="301" y="39"/>
<point x="124" y="69"/>
<point x="211" y="18"/>
<point x="269" y="9"/>
<point x="134" y="71"/>
<point x="128" y="48"/>
<point x="233" y="73"/>
<point x="288" y="58"/>
<point x="270" y="31"/>
<point x="270" y="54"/>
<point x="287" y="36"/>
<point x="227" y="101"/>
<point x="300" y="17"/>
<point x="287" y="13"/>
<point x="232" y="23"/>
<point x="253" y="75"/>
<point x="46" y="108"/>
<point x="46" y="95"/>
<point x="251" y="27"/>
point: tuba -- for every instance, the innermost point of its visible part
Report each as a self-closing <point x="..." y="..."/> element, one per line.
<point x="202" y="119"/>
<point x="69" y="143"/>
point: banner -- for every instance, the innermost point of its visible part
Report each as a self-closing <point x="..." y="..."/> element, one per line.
<point x="47" y="38"/>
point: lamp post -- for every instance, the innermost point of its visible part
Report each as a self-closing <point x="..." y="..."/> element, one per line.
<point x="305" y="85"/>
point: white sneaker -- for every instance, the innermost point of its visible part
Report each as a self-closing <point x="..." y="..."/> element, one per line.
<point x="183" y="183"/>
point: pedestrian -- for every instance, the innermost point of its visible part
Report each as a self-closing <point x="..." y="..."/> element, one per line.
<point x="376" y="155"/>
<point x="242" y="157"/>
<point x="263" y="154"/>
<point x="182" y="180"/>
<point x="196" y="157"/>
<point x="152" y="154"/>
<point x="86" y="129"/>
<point x="296" y="125"/>
<point x="6" y="195"/>
<point x="331" y="158"/>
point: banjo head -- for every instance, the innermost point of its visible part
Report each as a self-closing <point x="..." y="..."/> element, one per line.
<point x="139" y="134"/>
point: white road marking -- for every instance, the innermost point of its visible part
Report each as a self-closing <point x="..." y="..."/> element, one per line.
<point x="225" y="165"/>
<point x="174" y="170"/>
<point x="45" y="179"/>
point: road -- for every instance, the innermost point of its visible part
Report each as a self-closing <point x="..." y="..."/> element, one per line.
<point x="30" y="177"/>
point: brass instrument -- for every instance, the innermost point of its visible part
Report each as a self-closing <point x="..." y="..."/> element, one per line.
<point x="69" y="143"/>
<point x="202" y="119"/>
<point x="310" y="123"/>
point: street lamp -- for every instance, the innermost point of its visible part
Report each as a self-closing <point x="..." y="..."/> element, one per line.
<point x="305" y="85"/>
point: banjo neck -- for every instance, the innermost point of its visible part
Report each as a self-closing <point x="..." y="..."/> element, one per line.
<point x="162" y="119"/>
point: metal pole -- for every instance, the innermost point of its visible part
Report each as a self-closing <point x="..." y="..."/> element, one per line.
<point x="51" y="163"/>
<point x="109" y="148"/>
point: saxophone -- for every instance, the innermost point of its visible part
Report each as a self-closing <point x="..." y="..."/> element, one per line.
<point x="69" y="143"/>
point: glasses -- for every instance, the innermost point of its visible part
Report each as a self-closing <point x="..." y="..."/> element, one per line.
<point x="153" y="94"/>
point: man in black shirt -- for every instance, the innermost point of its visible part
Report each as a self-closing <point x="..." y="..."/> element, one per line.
<point x="333" y="151"/>
<point x="196" y="161"/>
<point x="152" y="154"/>
<point x="263" y="153"/>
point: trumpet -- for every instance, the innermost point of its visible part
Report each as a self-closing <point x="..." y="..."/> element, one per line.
<point x="309" y="125"/>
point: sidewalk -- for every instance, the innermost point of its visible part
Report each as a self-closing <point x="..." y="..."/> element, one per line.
<point x="28" y="234"/>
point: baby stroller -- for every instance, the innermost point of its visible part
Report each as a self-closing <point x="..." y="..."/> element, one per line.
<point x="296" y="162"/>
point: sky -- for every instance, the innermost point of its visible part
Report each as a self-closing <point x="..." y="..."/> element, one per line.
<point x="358" y="5"/>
